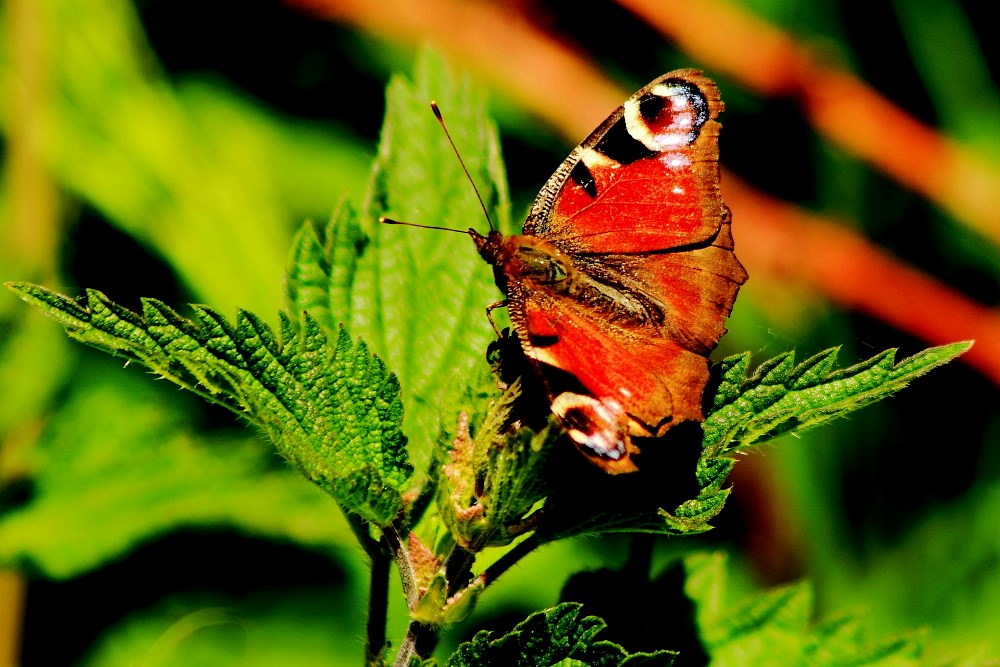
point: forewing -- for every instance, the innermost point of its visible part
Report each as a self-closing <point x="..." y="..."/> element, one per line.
<point x="690" y="291"/>
<point x="646" y="180"/>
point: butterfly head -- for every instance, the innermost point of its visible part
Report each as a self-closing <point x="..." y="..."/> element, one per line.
<point x="525" y="259"/>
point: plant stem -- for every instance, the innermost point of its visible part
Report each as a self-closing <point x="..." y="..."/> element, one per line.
<point x="13" y="590"/>
<point x="458" y="568"/>
<point x="404" y="566"/>
<point x="32" y="232"/>
<point x="31" y="236"/>
<point x="421" y="638"/>
<point x="378" y="608"/>
<point x="360" y="528"/>
<point x="509" y="559"/>
<point x="420" y="641"/>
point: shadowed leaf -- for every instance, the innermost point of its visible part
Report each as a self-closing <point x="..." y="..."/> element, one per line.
<point x="556" y="636"/>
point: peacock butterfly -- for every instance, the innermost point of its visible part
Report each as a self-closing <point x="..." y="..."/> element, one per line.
<point x="625" y="273"/>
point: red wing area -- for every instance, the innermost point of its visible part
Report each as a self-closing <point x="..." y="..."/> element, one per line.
<point x="641" y="207"/>
<point x="656" y="381"/>
<point x="651" y="368"/>
<point x="694" y="289"/>
<point x="646" y="180"/>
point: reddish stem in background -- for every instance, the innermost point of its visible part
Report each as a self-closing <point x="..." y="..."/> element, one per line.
<point x="789" y="242"/>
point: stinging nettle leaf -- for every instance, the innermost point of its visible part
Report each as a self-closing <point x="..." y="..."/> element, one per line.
<point x="776" y="627"/>
<point x="321" y="268"/>
<point x="781" y="397"/>
<point x="117" y="465"/>
<point x="419" y="296"/>
<point x="554" y="636"/>
<point x="334" y="411"/>
<point x="491" y="480"/>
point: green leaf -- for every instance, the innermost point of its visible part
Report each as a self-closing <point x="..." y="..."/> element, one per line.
<point x="416" y="661"/>
<point x="118" y="465"/>
<point x="35" y="358"/>
<point x="436" y="607"/>
<point x="775" y="627"/>
<point x="954" y="549"/>
<point x="419" y="296"/>
<point x="782" y="397"/>
<point x="556" y="636"/>
<point x="332" y="410"/>
<point x="692" y="516"/>
<point x="322" y="267"/>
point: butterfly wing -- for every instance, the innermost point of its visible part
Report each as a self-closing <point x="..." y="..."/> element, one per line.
<point x="637" y="371"/>
<point x="649" y="274"/>
<point x="618" y="388"/>
<point x="646" y="179"/>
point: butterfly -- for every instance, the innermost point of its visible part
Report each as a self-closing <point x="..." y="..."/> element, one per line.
<point x="619" y="287"/>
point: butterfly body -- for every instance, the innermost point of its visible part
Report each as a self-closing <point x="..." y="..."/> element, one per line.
<point x="625" y="272"/>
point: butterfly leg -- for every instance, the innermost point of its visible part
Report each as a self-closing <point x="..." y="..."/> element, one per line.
<point x="489" y="315"/>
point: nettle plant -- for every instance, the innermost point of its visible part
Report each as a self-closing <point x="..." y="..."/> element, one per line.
<point x="441" y="465"/>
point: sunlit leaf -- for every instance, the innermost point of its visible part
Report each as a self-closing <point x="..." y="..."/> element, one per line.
<point x="781" y="397"/>
<point x="775" y="627"/>
<point x="118" y="466"/>
<point x="321" y="271"/>
<point x="208" y="178"/>
<point x="332" y="410"/>
<point x="419" y="296"/>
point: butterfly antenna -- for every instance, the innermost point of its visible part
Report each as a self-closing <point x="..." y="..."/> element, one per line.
<point x="389" y="221"/>
<point x="482" y="204"/>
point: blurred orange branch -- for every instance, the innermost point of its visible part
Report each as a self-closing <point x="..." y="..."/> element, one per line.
<point x="561" y="86"/>
<point x="788" y="242"/>
<point x="30" y="231"/>
<point x="536" y="70"/>
<point x="31" y="226"/>
<point x="727" y="38"/>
